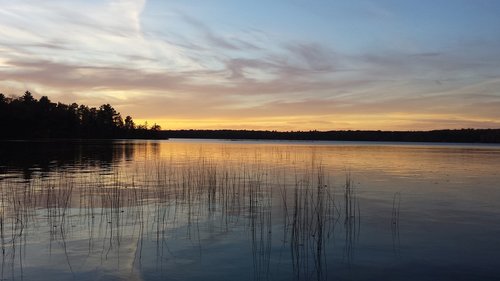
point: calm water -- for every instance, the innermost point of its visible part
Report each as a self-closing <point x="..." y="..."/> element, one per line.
<point x="243" y="210"/>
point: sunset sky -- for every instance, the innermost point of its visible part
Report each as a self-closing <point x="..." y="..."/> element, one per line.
<point x="280" y="65"/>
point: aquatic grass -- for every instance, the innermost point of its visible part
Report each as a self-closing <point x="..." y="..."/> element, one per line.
<point x="352" y="219"/>
<point x="396" y="206"/>
<point x="163" y="200"/>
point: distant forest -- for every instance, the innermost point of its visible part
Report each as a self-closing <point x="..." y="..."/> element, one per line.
<point x="455" y="136"/>
<point x="25" y="117"/>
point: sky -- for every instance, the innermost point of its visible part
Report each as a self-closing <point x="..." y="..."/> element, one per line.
<point x="273" y="65"/>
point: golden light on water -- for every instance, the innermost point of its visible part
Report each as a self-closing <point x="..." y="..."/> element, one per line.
<point x="127" y="208"/>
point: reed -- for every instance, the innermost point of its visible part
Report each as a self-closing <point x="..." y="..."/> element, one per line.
<point x="396" y="206"/>
<point x="167" y="199"/>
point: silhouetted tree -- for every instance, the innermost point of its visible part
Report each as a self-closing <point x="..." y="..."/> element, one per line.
<point x="155" y="127"/>
<point x="3" y="109"/>
<point x="26" y="117"/>
<point x="28" y="97"/>
<point x="129" y="123"/>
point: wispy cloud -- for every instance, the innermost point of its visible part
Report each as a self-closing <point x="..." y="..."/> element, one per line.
<point x="212" y="38"/>
<point x="183" y="68"/>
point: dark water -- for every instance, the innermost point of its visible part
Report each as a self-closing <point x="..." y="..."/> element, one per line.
<point x="225" y="210"/>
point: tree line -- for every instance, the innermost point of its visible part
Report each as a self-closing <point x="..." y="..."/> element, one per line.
<point x="25" y="117"/>
<point x="454" y="136"/>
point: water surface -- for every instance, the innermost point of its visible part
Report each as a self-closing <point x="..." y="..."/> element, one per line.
<point x="248" y="210"/>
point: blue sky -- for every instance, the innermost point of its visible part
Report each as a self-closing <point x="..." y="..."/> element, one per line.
<point x="284" y="65"/>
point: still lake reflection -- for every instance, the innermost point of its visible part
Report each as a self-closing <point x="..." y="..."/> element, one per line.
<point x="248" y="210"/>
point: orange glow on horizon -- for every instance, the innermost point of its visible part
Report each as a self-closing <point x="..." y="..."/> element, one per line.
<point x="389" y="122"/>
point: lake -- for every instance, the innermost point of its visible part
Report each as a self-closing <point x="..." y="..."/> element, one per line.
<point x="248" y="210"/>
